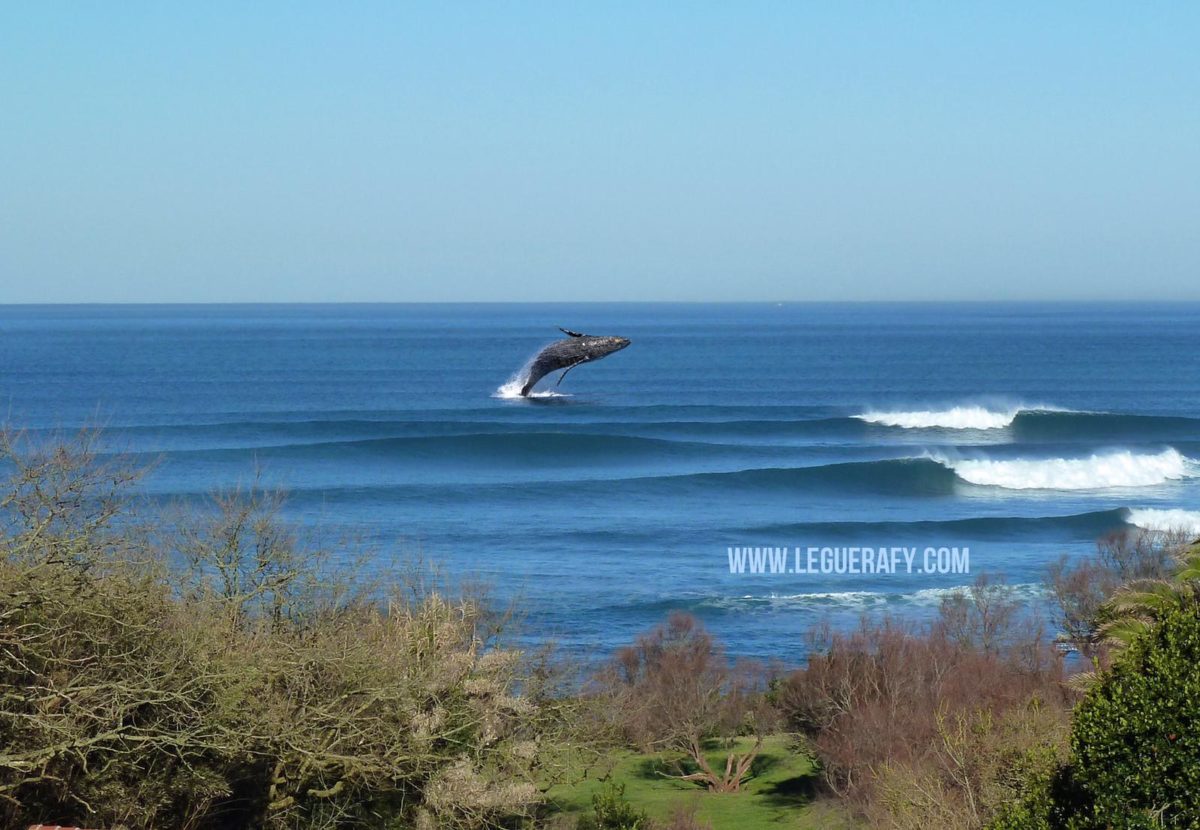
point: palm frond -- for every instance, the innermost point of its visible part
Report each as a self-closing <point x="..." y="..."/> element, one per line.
<point x="1147" y="597"/>
<point x="1121" y="632"/>
<point x="1189" y="570"/>
<point x="1083" y="681"/>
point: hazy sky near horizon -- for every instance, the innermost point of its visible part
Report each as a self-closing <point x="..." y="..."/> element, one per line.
<point x="209" y="152"/>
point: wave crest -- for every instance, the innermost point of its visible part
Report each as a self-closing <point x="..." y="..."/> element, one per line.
<point x="1165" y="520"/>
<point x="1101" y="471"/>
<point x="958" y="417"/>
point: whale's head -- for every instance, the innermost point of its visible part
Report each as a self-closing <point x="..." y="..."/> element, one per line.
<point x="599" y="347"/>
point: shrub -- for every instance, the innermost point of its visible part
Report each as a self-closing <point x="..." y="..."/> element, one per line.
<point x="1037" y="805"/>
<point x="209" y="674"/>
<point x="610" y="811"/>
<point x="920" y="726"/>
<point x="683" y="817"/>
<point x="979" y="762"/>
<point x="674" y="690"/>
<point x="1081" y="590"/>
<point x="1135" y="757"/>
<point x="1135" y="747"/>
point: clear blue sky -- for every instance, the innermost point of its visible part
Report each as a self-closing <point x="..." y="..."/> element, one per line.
<point x="606" y="151"/>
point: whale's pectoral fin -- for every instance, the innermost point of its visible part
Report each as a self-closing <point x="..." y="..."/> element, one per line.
<point x="570" y="333"/>
<point x="569" y="368"/>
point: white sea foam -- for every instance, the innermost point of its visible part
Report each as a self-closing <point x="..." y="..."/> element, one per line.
<point x="934" y="596"/>
<point x="835" y="597"/>
<point x="1120" y="468"/>
<point x="1165" y="520"/>
<point x="868" y="599"/>
<point x="958" y="417"/>
<point x="511" y="389"/>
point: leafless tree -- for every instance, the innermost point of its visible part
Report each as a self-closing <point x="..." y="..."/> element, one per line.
<point x="674" y="690"/>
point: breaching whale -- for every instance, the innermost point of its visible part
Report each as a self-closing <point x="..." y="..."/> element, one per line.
<point x="568" y="353"/>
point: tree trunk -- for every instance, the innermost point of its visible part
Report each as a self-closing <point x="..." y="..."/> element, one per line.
<point x="736" y="768"/>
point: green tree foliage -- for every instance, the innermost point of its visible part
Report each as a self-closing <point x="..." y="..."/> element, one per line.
<point x="1135" y="750"/>
<point x="1135" y="742"/>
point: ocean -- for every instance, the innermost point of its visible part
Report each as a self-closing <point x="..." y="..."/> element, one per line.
<point x="1018" y="432"/>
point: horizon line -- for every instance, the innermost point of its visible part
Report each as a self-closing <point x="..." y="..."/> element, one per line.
<point x="990" y="301"/>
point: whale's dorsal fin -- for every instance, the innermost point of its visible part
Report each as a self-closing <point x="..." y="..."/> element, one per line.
<point x="570" y="333"/>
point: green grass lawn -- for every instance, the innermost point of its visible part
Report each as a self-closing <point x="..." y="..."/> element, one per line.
<point x="779" y="795"/>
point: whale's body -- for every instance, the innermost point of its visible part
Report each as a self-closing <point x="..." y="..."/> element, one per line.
<point x="568" y="353"/>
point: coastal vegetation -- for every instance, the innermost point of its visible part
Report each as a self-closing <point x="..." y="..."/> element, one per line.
<point x="210" y="666"/>
<point x="209" y="671"/>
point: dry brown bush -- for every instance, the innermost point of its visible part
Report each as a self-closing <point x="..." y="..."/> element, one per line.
<point x="213" y="673"/>
<point x="683" y="817"/>
<point x="1081" y="588"/>
<point x="674" y="690"/>
<point x="913" y="726"/>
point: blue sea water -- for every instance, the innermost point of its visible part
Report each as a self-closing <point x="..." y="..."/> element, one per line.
<point x="1021" y="432"/>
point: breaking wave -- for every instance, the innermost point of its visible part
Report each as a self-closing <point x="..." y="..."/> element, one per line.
<point x="1165" y="520"/>
<point x="958" y="417"/>
<point x="1101" y="471"/>
<point x="936" y="473"/>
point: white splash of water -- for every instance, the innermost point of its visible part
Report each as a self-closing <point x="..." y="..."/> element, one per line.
<point x="510" y="390"/>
